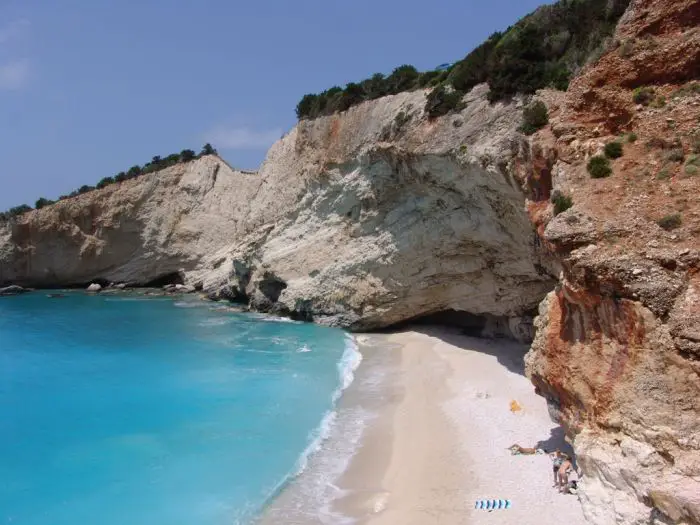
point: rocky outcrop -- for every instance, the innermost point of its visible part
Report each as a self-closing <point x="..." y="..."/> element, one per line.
<point x="362" y="219"/>
<point x="12" y="290"/>
<point x="617" y="346"/>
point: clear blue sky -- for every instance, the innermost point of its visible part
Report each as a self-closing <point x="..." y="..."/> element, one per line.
<point x="91" y="87"/>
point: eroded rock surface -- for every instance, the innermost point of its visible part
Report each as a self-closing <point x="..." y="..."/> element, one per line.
<point x="617" y="346"/>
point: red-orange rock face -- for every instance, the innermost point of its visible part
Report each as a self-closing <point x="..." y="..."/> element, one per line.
<point x="617" y="350"/>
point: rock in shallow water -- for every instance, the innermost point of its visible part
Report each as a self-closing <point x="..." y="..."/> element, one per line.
<point x="12" y="290"/>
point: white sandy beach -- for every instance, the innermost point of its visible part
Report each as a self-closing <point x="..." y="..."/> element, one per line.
<point x="439" y="439"/>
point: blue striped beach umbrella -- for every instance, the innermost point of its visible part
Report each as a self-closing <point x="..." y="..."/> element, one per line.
<point x="492" y="504"/>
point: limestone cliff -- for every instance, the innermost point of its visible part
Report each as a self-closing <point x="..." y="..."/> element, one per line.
<point x="136" y="231"/>
<point x="362" y="219"/>
<point x="383" y="215"/>
<point x="617" y="350"/>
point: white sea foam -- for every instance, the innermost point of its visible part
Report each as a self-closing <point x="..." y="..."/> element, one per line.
<point x="189" y="304"/>
<point x="304" y="349"/>
<point x="331" y="447"/>
<point x="216" y="321"/>
<point x="274" y="319"/>
<point x="347" y="365"/>
<point x="135" y="299"/>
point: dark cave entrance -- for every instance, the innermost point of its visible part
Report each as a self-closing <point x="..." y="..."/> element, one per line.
<point x="165" y="279"/>
<point x="469" y="324"/>
<point x="477" y="325"/>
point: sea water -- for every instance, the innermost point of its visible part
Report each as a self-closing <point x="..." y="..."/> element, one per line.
<point x="149" y="411"/>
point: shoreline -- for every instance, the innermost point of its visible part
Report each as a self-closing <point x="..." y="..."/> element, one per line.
<point x="422" y="433"/>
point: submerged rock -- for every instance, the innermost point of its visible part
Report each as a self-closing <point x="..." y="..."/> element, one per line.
<point x="13" y="290"/>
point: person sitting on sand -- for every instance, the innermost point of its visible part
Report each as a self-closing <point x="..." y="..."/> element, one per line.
<point x="563" y="474"/>
<point x="557" y="460"/>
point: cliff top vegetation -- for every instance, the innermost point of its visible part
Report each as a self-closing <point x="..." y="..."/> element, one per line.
<point x="543" y="49"/>
<point x="157" y="163"/>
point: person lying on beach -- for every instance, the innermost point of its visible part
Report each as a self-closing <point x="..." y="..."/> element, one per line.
<point x="563" y="474"/>
<point x="526" y="451"/>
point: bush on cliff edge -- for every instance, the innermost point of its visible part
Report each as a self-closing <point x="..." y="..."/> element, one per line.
<point x="599" y="167"/>
<point x="535" y="116"/>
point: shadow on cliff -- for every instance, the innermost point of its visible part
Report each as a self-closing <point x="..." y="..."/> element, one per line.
<point x="508" y="352"/>
<point x="556" y="441"/>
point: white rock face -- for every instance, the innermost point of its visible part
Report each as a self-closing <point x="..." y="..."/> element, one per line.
<point x="133" y="232"/>
<point x="364" y="222"/>
<point x="94" y="287"/>
<point x="363" y="219"/>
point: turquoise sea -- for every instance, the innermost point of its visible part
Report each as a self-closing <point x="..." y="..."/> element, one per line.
<point x="156" y="411"/>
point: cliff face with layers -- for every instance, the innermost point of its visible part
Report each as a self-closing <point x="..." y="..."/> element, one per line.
<point x="617" y="350"/>
<point x="362" y="219"/>
<point x="387" y="216"/>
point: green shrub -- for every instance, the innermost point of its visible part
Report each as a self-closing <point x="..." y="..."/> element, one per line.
<point x="535" y="116"/>
<point x="187" y="155"/>
<point x="401" y="119"/>
<point x="473" y="69"/>
<point x="599" y="167"/>
<point x="632" y="137"/>
<point x="664" y="174"/>
<point x="670" y="222"/>
<point x="441" y="78"/>
<point x="120" y="177"/>
<point x="104" y="182"/>
<point x="692" y="165"/>
<point x="441" y="100"/>
<point x="643" y="95"/>
<point x="307" y="106"/>
<point x="695" y="142"/>
<point x="403" y="78"/>
<point x="374" y="87"/>
<point x="208" y="149"/>
<point x="17" y="211"/>
<point x="561" y="203"/>
<point x="675" y="155"/>
<point x="613" y="150"/>
<point x="40" y="203"/>
<point x="426" y="79"/>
